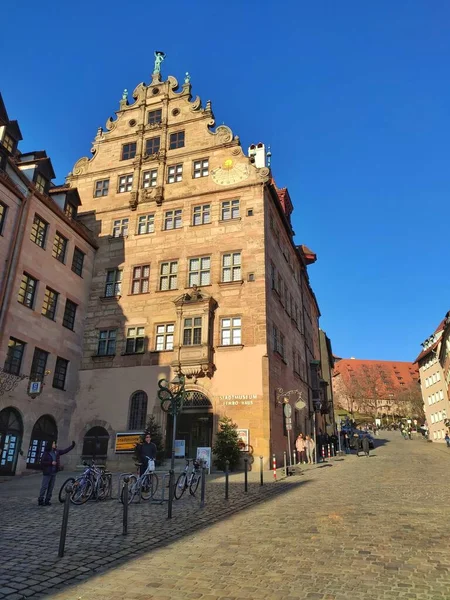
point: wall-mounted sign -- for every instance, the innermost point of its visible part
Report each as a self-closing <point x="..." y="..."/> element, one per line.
<point x="126" y="442"/>
<point x="244" y="439"/>
<point x="239" y="397"/>
<point x="180" y="448"/>
<point x="204" y="454"/>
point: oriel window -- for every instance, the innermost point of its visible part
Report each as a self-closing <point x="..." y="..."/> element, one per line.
<point x="192" y="331"/>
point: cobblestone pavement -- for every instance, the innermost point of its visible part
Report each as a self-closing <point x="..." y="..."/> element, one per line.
<point x="354" y="528"/>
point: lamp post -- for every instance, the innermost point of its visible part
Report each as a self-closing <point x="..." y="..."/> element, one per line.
<point x="171" y="397"/>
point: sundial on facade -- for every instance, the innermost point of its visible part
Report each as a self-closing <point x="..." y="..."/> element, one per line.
<point x="230" y="172"/>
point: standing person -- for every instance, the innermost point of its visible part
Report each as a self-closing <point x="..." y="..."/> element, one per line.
<point x="300" y="446"/>
<point x="365" y="444"/>
<point x="309" y="447"/>
<point x="447" y="439"/>
<point x="50" y="463"/>
<point x="146" y="450"/>
<point x="347" y="443"/>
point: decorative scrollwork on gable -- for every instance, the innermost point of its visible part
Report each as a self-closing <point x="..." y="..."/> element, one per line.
<point x="139" y="93"/>
<point x="111" y="124"/>
<point x="264" y="174"/>
<point x="196" y="104"/>
<point x="224" y="134"/>
<point x="173" y="83"/>
<point x="80" y="166"/>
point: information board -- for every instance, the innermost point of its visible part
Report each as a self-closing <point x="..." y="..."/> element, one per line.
<point x="204" y="454"/>
<point x="180" y="448"/>
<point x="126" y="442"/>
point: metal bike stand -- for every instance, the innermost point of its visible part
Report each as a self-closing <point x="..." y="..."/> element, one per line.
<point x="162" y="499"/>
<point x="120" y="484"/>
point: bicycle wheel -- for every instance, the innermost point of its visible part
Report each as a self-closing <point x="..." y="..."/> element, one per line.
<point x="131" y="489"/>
<point x="103" y="487"/>
<point x="180" y="486"/>
<point x="62" y="491"/>
<point x="82" y="491"/>
<point x="149" y="486"/>
<point x="196" y="478"/>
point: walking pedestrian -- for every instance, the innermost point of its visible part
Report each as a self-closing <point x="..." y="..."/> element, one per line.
<point x="447" y="439"/>
<point x="365" y="443"/>
<point x="50" y="463"/>
<point x="300" y="446"/>
<point x="146" y="450"/>
<point x="310" y="446"/>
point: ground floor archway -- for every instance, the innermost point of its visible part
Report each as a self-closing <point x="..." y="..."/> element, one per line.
<point x="11" y="432"/>
<point x="44" y="431"/>
<point x="194" y="424"/>
<point x="95" y="444"/>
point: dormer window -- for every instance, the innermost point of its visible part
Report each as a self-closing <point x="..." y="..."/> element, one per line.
<point x="70" y="210"/>
<point x="40" y="183"/>
<point x="8" y="142"/>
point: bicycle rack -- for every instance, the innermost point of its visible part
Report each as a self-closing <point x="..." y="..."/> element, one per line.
<point x="162" y="499"/>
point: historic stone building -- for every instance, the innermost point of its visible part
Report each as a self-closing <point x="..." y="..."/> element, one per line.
<point x="196" y="271"/>
<point x="46" y="260"/>
<point x="434" y="368"/>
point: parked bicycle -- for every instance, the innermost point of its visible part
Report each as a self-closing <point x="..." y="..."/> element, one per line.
<point x="144" y="486"/>
<point x="94" y="482"/>
<point x="188" y="479"/>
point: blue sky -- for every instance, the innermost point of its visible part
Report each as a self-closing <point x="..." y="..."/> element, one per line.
<point x="353" y="98"/>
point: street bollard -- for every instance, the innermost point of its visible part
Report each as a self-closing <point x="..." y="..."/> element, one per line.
<point x="329" y="451"/>
<point x="274" y="466"/>
<point x="227" y="468"/>
<point x="171" y="493"/>
<point x="125" y="492"/>
<point x="245" y="475"/>
<point x="62" y="539"/>
<point x="202" y="497"/>
<point x="323" y="454"/>
<point x="261" y="474"/>
<point x="285" y="463"/>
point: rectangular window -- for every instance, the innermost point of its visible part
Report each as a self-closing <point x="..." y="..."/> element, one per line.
<point x="38" y="365"/>
<point x="135" y="340"/>
<point x="152" y="145"/>
<point x="192" y="331"/>
<point x="128" y="151"/>
<point x="106" y="342"/>
<point x="70" y="312"/>
<point x="50" y="302"/>
<point x="39" y="231"/>
<point x="125" y="183"/>
<point x="8" y="142"/>
<point x="70" y="210"/>
<point x="146" y="224"/>
<point x="14" y="356"/>
<point x="175" y="173"/>
<point x="275" y="338"/>
<point x="273" y="283"/>
<point x="201" y="168"/>
<point x="230" y="331"/>
<point x="231" y="267"/>
<point x="173" y="219"/>
<point x="113" y="285"/>
<point x="120" y="228"/>
<point x="199" y="271"/>
<point x="60" y="247"/>
<point x="176" y="140"/>
<point x="140" y="283"/>
<point x="201" y="214"/>
<point x="282" y="348"/>
<point x="27" y="290"/>
<point x="3" y="211"/>
<point x="101" y="188"/>
<point x="40" y="183"/>
<point x="164" y="337"/>
<point x="77" y="261"/>
<point x="149" y="178"/>
<point x="154" y="117"/>
<point x="230" y="210"/>
<point x="168" y="275"/>
<point x="59" y="377"/>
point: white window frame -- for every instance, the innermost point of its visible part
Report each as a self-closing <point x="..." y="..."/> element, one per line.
<point x="200" y="168"/>
<point x="120" y="227"/>
<point x="150" y="178"/>
<point x="170" y="275"/>
<point x="173" y="219"/>
<point x="125" y="184"/>
<point x="234" y="268"/>
<point x="231" y="331"/>
<point x="146" y="224"/>
<point x="230" y="209"/>
<point x="175" y="173"/>
<point x="164" y="336"/>
<point x="199" y="274"/>
<point x="202" y="214"/>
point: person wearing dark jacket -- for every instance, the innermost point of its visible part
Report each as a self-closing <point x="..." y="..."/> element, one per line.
<point x="366" y="444"/>
<point x="146" y="449"/>
<point x="50" y="463"/>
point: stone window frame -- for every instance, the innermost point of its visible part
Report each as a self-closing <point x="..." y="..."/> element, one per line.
<point x="107" y="338"/>
<point x="120" y="227"/>
<point x="14" y="356"/>
<point x="232" y="267"/>
<point x="60" y="373"/>
<point x="204" y="212"/>
<point x="27" y="290"/>
<point x="137" y="416"/>
<point x="192" y="331"/>
<point x="164" y="337"/>
<point x="152" y="145"/>
<point x="60" y="244"/>
<point x="230" y="210"/>
<point x="39" y="231"/>
<point x="113" y="283"/>
<point x="142" y="280"/>
<point x="101" y="188"/>
<point x="175" y="173"/>
<point x="125" y="183"/>
<point x="177" y="140"/>
<point x="50" y="303"/>
<point x="70" y="314"/>
<point x="171" y="275"/>
<point x="200" y="168"/>
<point x="192" y="272"/>
<point x="128" y="151"/>
<point x="154" y="117"/>
<point x="150" y="178"/>
<point x="135" y="342"/>
<point x="173" y="219"/>
<point x="231" y="328"/>
<point x="147" y="222"/>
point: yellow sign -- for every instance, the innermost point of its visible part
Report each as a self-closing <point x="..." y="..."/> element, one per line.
<point x="126" y="442"/>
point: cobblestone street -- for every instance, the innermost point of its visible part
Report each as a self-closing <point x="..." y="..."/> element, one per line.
<point x="353" y="528"/>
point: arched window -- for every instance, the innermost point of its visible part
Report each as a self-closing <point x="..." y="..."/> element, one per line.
<point x="138" y="411"/>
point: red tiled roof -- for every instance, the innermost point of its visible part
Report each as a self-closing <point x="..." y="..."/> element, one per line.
<point x="387" y="376"/>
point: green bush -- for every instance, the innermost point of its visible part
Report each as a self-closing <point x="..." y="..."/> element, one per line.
<point x="226" y="446"/>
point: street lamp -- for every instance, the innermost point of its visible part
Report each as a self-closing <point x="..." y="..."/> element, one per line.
<point x="171" y="396"/>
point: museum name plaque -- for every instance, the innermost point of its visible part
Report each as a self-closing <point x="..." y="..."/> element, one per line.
<point x="238" y="399"/>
